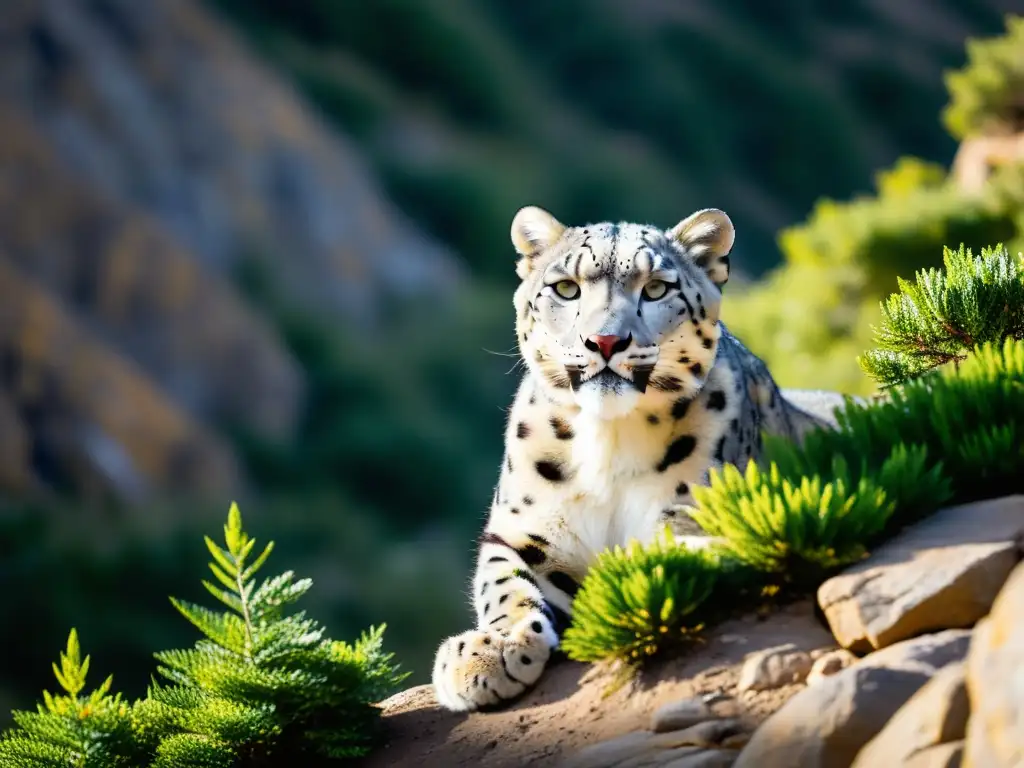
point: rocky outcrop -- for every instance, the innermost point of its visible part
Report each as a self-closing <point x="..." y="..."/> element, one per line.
<point x="702" y="744"/>
<point x="88" y="419"/>
<point x="144" y="156"/>
<point x="123" y="276"/>
<point x="682" y="711"/>
<point x="995" y="683"/>
<point x="825" y="725"/>
<point x="942" y="573"/>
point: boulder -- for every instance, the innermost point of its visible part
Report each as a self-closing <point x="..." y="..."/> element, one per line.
<point x="995" y="683"/>
<point x="943" y="573"/>
<point x="826" y="725"/>
<point x="937" y="714"/>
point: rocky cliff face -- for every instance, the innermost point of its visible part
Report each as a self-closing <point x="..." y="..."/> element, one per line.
<point x="143" y="154"/>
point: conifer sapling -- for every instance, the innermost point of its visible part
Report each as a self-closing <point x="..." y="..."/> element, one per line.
<point x="941" y="316"/>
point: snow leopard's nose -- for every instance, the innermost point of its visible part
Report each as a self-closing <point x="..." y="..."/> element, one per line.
<point x="607" y="345"/>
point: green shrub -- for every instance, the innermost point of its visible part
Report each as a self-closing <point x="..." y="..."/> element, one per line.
<point x="263" y="684"/>
<point x="971" y="415"/>
<point x="106" y="571"/>
<point x="69" y="729"/>
<point x="796" y="523"/>
<point x="638" y="601"/>
<point x="912" y="476"/>
<point x="939" y="318"/>
<point x="263" y="676"/>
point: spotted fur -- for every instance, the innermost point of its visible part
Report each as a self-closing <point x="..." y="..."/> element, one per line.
<point x="605" y="442"/>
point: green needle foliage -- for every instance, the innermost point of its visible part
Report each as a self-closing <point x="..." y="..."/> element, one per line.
<point x="72" y="730"/>
<point x="264" y="686"/>
<point x="944" y="314"/>
<point x="639" y="601"/>
<point x="914" y="482"/>
<point x="797" y="526"/>
<point x="262" y="680"/>
<point x="972" y="416"/>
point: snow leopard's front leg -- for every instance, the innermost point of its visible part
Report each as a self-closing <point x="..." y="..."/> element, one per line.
<point x="515" y="632"/>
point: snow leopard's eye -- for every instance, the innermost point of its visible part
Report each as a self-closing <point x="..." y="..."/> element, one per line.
<point x="654" y="290"/>
<point x="567" y="289"/>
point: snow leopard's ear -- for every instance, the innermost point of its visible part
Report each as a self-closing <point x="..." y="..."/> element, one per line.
<point x="534" y="230"/>
<point x="707" y="237"/>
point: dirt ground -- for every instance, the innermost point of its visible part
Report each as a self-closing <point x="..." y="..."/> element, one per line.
<point x="566" y="711"/>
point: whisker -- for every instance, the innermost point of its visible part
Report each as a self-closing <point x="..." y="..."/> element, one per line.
<point x="513" y="352"/>
<point x="515" y="365"/>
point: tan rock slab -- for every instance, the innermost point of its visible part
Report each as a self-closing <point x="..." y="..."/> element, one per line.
<point x="825" y="725"/>
<point x="995" y="683"/>
<point x="936" y="714"/>
<point x="943" y="573"/>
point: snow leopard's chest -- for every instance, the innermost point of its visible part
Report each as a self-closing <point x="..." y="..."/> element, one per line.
<point x="586" y="484"/>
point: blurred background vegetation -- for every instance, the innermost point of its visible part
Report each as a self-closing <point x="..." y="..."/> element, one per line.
<point x="258" y="249"/>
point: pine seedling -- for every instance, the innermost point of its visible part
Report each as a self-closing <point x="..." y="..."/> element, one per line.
<point x="72" y="730"/>
<point x="639" y="601"/>
<point x="941" y="316"/>
<point x="264" y="682"/>
<point x="264" y="686"/>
